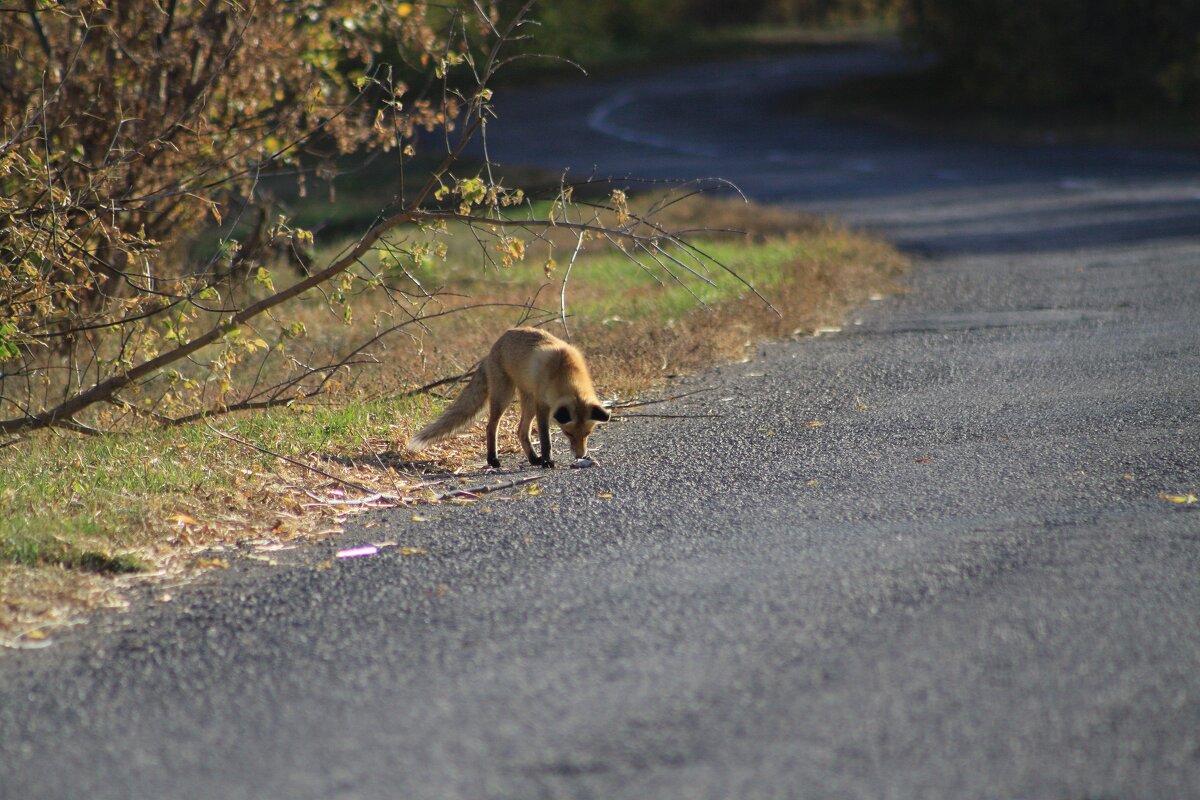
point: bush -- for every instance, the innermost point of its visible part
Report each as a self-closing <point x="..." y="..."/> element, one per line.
<point x="1116" y="53"/>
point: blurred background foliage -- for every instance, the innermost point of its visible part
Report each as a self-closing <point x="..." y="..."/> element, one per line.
<point x="1121" y="54"/>
<point x="1118" y="54"/>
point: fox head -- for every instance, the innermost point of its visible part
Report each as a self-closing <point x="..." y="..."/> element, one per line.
<point x="577" y="419"/>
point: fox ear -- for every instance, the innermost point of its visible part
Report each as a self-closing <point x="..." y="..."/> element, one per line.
<point x="562" y="415"/>
<point x="600" y="414"/>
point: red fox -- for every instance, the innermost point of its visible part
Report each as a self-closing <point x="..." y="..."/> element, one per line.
<point x="552" y="380"/>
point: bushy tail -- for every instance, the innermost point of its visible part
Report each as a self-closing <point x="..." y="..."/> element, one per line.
<point x="461" y="413"/>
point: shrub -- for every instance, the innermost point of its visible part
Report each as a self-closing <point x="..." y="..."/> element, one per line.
<point x="1117" y="53"/>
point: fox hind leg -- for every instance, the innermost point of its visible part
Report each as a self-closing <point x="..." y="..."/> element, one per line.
<point x="528" y="406"/>
<point x="500" y="398"/>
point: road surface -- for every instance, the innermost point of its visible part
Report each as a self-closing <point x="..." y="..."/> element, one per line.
<point x="962" y="585"/>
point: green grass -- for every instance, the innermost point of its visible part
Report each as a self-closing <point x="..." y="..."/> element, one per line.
<point x="78" y="501"/>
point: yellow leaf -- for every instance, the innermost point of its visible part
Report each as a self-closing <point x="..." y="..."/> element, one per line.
<point x="35" y="635"/>
<point x="419" y="518"/>
<point x="1188" y="498"/>
<point x="604" y="495"/>
<point x="212" y="563"/>
<point x="185" y="519"/>
<point x="813" y="482"/>
<point x="816" y="423"/>
<point x="413" y="551"/>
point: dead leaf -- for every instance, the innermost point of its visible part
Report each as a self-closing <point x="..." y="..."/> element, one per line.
<point x="211" y="563"/>
<point x="813" y="482"/>
<point x="1187" y="499"/>
<point x="420" y="518"/>
<point x="413" y="551"/>
<point x="184" y="519"/>
<point x="604" y="495"/>
<point x="816" y="423"/>
<point x="357" y="552"/>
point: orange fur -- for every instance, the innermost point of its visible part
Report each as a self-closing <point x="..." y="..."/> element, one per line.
<point x="550" y="377"/>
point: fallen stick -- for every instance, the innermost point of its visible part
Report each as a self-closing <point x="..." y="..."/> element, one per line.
<point x="640" y="403"/>
<point x="478" y="490"/>
<point x="670" y="416"/>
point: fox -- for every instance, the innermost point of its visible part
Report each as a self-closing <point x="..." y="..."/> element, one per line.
<point x="551" y="378"/>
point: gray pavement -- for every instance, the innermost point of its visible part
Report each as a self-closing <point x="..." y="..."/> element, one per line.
<point x="961" y="585"/>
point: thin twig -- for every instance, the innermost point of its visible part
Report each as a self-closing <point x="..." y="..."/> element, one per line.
<point x="478" y="490"/>
<point x="670" y="416"/>
<point x="435" y="384"/>
<point x="640" y="403"/>
<point x="282" y="457"/>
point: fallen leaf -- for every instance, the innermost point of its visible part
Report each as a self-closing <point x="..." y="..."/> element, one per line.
<point x="920" y="460"/>
<point x="420" y="518"/>
<point x="816" y="423"/>
<point x="813" y="482"/>
<point x="185" y="519"/>
<point x="1188" y="498"/>
<point x="533" y="489"/>
<point x="358" y="552"/>
<point x="604" y="495"/>
<point x="413" y="551"/>
<point x="211" y="563"/>
<point x="38" y="635"/>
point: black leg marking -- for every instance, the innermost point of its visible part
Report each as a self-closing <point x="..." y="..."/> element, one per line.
<point x="543" y="423"/>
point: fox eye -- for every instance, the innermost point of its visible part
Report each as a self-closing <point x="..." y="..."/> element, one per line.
<point x="563" y="415"/>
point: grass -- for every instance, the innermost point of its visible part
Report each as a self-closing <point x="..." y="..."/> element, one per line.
<point x="82" y="518"/>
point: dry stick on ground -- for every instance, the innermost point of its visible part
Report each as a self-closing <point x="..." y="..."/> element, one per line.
<point x="640" y="403"/>
<point x="478" y="490"/>
<point x="670" y="416"/>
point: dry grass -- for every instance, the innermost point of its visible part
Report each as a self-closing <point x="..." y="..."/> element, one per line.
<point x="82" y="519"/>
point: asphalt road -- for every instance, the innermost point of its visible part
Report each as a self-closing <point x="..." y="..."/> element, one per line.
<point x="961" y="585"/>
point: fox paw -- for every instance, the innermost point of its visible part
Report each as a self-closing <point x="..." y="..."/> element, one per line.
<point x="493" y="462"/>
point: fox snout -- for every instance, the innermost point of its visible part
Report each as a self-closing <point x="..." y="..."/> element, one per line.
<point x="579" y="445"/>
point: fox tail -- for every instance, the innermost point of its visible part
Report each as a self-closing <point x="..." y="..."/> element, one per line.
<point x="461" y="413"/>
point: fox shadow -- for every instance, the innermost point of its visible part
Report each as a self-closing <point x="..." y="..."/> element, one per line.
<point x="427" y="469"/>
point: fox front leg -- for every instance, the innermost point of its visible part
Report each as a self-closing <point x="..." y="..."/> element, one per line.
<point x="543" y="423"/>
